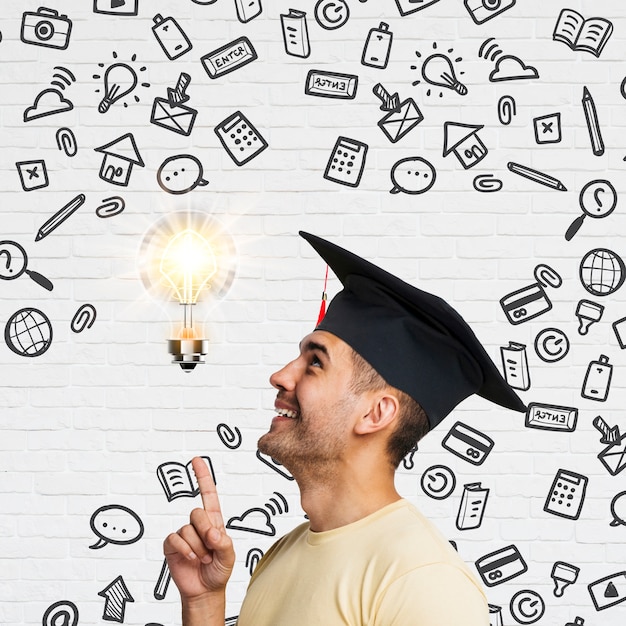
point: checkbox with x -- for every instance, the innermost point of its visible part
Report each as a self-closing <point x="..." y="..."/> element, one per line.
<point x="33" y="174"/>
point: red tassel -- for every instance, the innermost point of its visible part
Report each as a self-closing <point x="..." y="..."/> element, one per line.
<point x="322" y="312"/>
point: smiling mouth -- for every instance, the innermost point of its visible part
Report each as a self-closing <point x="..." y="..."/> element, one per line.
<point x="287" y="413"/>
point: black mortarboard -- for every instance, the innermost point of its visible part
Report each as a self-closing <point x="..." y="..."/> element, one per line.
<point x="415" y="340"/>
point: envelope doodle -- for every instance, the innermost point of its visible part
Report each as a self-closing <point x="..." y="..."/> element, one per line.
<point x="400" y="120"/>
<point x="171" y="113"/>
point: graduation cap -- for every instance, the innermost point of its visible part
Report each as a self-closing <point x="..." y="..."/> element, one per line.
<point x="415" y="340"/>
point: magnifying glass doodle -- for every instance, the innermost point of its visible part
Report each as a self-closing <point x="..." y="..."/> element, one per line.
<point x="598" y="198"/>
<point x="14" y="261"/>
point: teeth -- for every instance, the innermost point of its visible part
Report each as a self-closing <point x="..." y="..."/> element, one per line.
<point x="287" y="413"/>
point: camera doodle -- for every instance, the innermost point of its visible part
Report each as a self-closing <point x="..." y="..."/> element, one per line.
<point x="45" y="27"/>
<point x="482" y="11"/>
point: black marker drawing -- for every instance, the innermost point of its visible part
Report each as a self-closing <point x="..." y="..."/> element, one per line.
<point x="497" y="567"/>
<point x="482" y="11"/>
<point x="563" y="574"/>
<point x="588" y="313"/>
<point x="295" y="33"/>
<point x="487" y="183"/>
<point x="529" y="302"/>
<point x="412" y="175"/>
<point x="181" y="174"/>
<point x="84" y="317"/>
<point x="507" y="67"/>
<point x="48" y="102"/>
<point x="60" y="216"/>
<point x="252" y="559"/>
<point x="515" y="365"/>
<point x="536" y="176"/>
<point x="258" y="520"/>
<point x="618" y="509"/>
<point x="597" y="383"/>
<point x="116" y="7"/>
<point x="597" y="199"/>
<point x="463" y="140"/>
<point x="116" y="596"/>
<point x="593" y="124"/>
<point x="438" y="70"/>
<point x="527" y="607"/>
<point x="111" y="207"/>
<point x="580" y="34"/>
<point x="229" y="58"/>
<point x="507" y="109"/>
<point x="33" y="174"/>
<point x="163" y="582"/>
<point x="619" y="328"/>
<point x="401" y="117"/>
<point x="567" y="495"/>
<point x="547" y="128"/>
<point x="331" y="14"/>
<point x="408" y="461"/>
<point x="231" y="621"/>
<point x="247" y="9"/>
<point x="274" y="464"/>
<point x="608" y="591"/>
<point x="438" y="482"/>
<point x="495" y="615"/>
<point x="610" y="434"/>
<point x="551" y="417"/>
<point x="602" y="272"/>
<point x="66" y="142"/>
<point x="468" y="443"/>
<point x="551" y="345"/>
<point x="115" y="524"/>
<point x="347" y="162"/>
<point x="377" y="47"/>
<point x="120" y="79"/>
<point x="28" y="332"/>
<point x="14" y="263"/>
<point x="171" y="113"/>
<point x="229" y="437"/>
<point x="407" y="7"/>
<point x="241" y="140"/>
<point x="613" y="457"/>
<point x="472" y="506"/>
<point x="119" y="157"/>
<point x="45" y="27"/>
<point x="179" y="480"/>
<point x="170" y="36"/>
<point x="62" y="612"/>
<point x="331" y="85"/>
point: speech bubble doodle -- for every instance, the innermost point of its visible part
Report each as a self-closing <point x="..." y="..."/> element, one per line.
<point x="412" y="175"/>
<point x="115" y="524"/>
<point x="180" y="174"/>
<point x="618" y="509"/>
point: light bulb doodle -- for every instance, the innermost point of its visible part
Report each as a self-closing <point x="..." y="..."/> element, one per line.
<point x="120" y="79"/>
<point x="187" y="257"/>
<point x="438" y="70"/>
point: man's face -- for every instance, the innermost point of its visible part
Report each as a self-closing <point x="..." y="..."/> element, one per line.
<point x="315" y="405"/>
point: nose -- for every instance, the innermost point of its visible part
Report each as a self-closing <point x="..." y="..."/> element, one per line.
<point x="286" y="377"/>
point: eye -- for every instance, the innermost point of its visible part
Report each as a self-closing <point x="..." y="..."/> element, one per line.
<point x="315" y="362"/>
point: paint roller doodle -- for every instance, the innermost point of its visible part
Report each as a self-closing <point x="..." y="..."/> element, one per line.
<point x="66" y="142"/>
<point x="229" y="437"/>
<point x="506" y="110"/>
<point x="62" y="613"/>
<point x="258" y="520"/>
<point x="111" y="207"/>
<point x="252" y="559"/>
<point x="115" y="524"/>
<point x="84" y="318"/>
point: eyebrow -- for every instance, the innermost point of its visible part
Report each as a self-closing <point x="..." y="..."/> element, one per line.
<point x="313" y="345"/>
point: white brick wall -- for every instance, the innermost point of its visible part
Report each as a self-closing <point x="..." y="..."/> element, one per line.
<point x="87" y="423"/>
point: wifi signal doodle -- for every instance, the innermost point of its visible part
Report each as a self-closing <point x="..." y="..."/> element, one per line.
<point x="252" y="559"/>
<point x="258" y="520"/>
<point x="508" y="67"/>
<point x="51" y="101"/>
<point x="62" y="78"/>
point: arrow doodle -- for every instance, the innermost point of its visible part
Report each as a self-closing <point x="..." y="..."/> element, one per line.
<point x="116" y="595"/>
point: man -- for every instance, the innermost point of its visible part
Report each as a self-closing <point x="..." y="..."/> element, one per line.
<point x="387" y="363"/>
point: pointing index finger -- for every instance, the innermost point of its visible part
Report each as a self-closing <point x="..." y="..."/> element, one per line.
<point x="208" y="491"/>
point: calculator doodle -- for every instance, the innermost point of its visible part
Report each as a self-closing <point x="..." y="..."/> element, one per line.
<point x="240" y="138"/>
<point x="567" y="494"/>
<point x="347" y="162"/>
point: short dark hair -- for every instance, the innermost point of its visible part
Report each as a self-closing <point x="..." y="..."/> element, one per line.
<point x="412" y="420"/>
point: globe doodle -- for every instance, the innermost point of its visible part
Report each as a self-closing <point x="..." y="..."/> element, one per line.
<point x="602" y="272"/>
<point x="28" y="332"/>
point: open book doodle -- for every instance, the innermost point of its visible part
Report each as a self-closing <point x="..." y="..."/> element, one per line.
<point x="179" y="481"/>
<point x="580" y="34"/>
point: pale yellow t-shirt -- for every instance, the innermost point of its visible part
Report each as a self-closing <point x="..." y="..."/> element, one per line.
<point x="392" y="568"/>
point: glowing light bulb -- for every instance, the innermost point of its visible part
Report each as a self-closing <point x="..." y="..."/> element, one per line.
<point x="437" y="70"/>
<point x="119" y="80"/>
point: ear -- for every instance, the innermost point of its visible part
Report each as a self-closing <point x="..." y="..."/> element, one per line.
<point x="383" y="411"/>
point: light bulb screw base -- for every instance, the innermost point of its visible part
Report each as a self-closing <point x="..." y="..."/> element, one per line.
<point x="188" y="352"/>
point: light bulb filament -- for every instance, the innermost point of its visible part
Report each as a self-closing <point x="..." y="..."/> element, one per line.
<point x="438" y="70"/>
